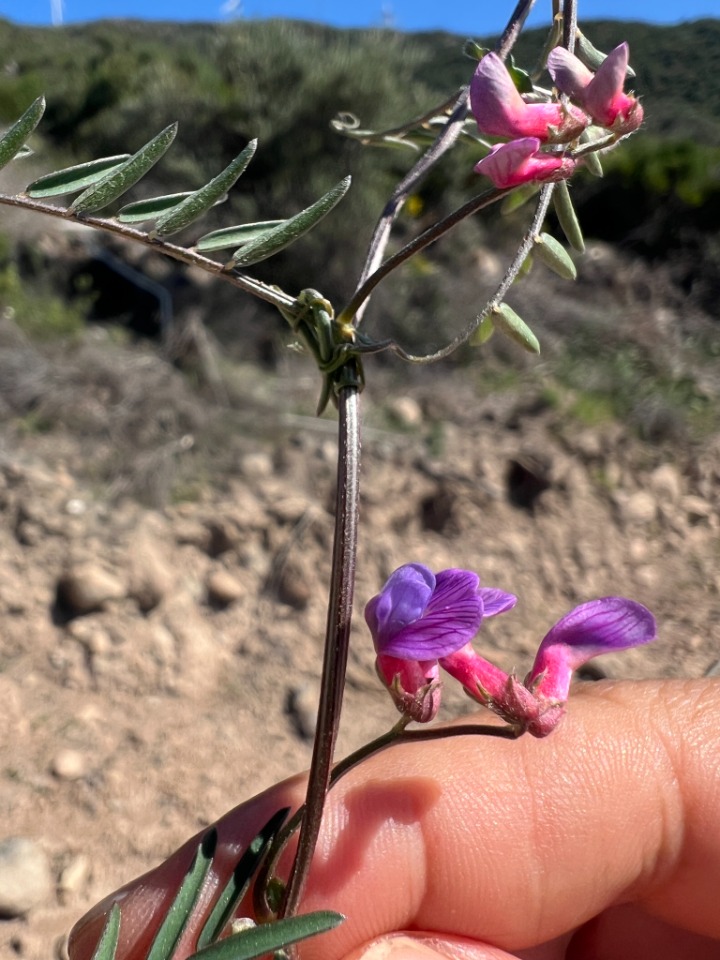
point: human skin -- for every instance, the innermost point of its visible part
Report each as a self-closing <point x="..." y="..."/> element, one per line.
<point x="600" y="842"/>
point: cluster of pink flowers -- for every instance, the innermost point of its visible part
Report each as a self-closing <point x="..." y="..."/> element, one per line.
<point x="500" y="111"/>
<point x="421" y="621"/>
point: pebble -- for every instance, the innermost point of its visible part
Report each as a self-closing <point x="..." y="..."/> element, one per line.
<point x="256" y="466"/>
<point x="68" y="764"/>
<point x="74" y="878"/>
<point x="25" y="879"/>
<point x="86" y="587"/>
<point x="666" y="482"/>
<point x="406" y="412"/>
<point x="640" y="507"/>
<point x="223" y="588"/>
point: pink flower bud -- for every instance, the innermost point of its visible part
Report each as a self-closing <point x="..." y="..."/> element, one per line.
<point x="501" y="112"/>
<point x="600" y="94"/>
<point x="520" y="161"/>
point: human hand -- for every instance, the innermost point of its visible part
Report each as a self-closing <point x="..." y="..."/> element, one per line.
<point x="601" y="842"/>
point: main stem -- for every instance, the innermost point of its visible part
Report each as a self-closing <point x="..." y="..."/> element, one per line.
<point x="337" y="641"/>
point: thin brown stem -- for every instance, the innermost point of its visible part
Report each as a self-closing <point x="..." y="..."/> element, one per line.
<point x="185" y="255"/>
<point x="337" y="641"/>
<point x="429" y="236"/>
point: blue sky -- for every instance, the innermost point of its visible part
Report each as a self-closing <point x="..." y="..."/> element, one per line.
<point x="465" y="17"/>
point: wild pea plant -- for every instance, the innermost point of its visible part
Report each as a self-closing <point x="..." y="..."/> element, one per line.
<point x="525" y="138"/>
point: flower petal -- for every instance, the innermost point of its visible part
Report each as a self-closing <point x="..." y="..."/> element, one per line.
<point x="401" y="601"/>
<point x="600" y="626"/>
<point x="603" y="97"/>
<point x="496" y="601"/>
<point x="569" y="74"/>
<point x="511" y="164"/>
<point x="500" y="110"/>
<point x="494" y="98"/>
<point x="452" y="618"/>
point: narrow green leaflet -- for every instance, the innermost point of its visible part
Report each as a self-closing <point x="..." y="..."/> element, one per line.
<point x="181" y="907"/>
<point x="235" y="236"/>
<point x="14" y="139"/>
<point x="567" y="217"/>
<point x="505" y="319"/>
<point x="152" y="208"/>
<point x="483" y="332"/>
<point x="237" y="886"/>
<point x="270" y="936"/>
<point x="113" y="186"/>
<point x="201" y="200"/>
<point x="72" y="179"/>
<point x="289" y="231"/>
<point x="554" y="255"/>
<point x="107" y="944"/>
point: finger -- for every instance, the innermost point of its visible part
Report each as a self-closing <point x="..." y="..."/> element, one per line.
<point x="509" y="843"/>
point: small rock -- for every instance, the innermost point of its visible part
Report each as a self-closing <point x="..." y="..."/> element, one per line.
<point x="223" y="588"/>
<point x="640" y="507"/>
<point x="151" y="578"/>
<point x="256" y="466"/>
<point x="74" y="878"/>
<point x="406" y="412"/>
<point x="86" y="587"/>
<point x="696" y="508"/>
<point x="301" y="705"/>
<point x="68" y="764"/>
<point x="293" y="588"/>
<point x="666" y="482"/>
<point x="25" y="880"/>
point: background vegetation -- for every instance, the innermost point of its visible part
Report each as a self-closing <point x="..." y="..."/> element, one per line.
<point x="112" y="85"/>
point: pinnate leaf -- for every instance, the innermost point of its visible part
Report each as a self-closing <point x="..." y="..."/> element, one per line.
<point x="235" y="236"/>
<point x="152" y="208"/>
<point x="72" y="179"/>
<point x="14" y="139"/>
<point x="567" y="218"/>
<point x="511" y="324"/>
<point x="554" y="255"/>
<point x="181" y="907"/>
<point x="237" y="885"/>
<point x="201" y="200"/>
<point x="107" y="944"/>
<point x="290" y="230"/>
<point x="268" y="937"/>
<point x="113" y="186"/>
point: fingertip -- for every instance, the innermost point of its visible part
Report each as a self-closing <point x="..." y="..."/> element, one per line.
<point x="424" y="946"/>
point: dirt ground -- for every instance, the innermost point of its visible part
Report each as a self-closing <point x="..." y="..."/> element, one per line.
<point x="159" y="665"/>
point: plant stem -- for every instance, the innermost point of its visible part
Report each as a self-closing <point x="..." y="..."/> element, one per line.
<point x="337" y="641"/>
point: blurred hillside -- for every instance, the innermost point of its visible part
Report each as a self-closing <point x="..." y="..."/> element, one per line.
<point x="651" y="221"/>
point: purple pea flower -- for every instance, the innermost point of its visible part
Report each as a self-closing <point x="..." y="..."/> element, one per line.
<point x="522" y="161"/>
<point x="421" y="621"/>
<point x="501" y="112"/>
<point x="600" y="94"/>
<point x="417" y="621"/>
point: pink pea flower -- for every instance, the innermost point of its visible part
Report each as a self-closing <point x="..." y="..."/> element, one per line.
<point x="600" y="94"/>
<point x="521" y="161"/>
<point x="501" y="112"/>
<point x="420" y="621"/>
